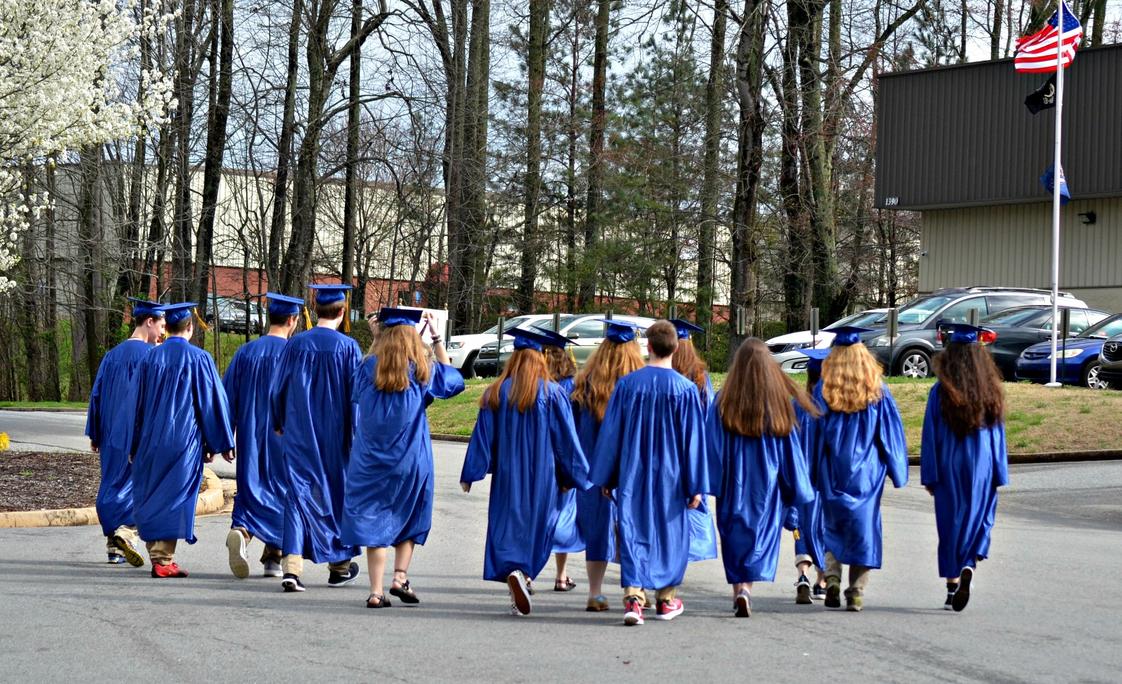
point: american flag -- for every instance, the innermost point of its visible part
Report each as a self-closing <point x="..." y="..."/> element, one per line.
<point x="1036" y="54"/>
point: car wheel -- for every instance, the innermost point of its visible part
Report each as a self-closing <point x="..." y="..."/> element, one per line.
<point x="1091" y="377"/>
<point x="914" y="363"/>
<point x="468" y="369"/>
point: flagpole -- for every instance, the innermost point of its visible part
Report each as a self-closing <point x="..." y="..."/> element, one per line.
<point x="1056" y="176"/>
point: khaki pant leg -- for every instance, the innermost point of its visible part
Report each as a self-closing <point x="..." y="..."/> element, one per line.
<point x="162" y="551"/>
<point x="292" y="564"/>
<point x="128" y="533"/>
<point x="858" y="579"/>
<point x="634" y="592"/>
<point x="667" y="593"/>
<point x="833" y="567"/>
<point x="272" y="553"/>
<point x="341" y="567"/>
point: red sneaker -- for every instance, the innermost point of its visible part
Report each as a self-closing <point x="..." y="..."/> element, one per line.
<point x="632" y="611"/>
<point x="169" y="570"/>
<point x="668" y="610"/>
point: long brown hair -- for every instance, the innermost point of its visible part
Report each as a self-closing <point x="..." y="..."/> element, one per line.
<point x="688" y="363"/>
<point x="756" y="397"/>
<point x="527" y="370"/>
<point x="970" y="389"/>
<point x="398" y="350"/>
<point x="593" y="385"/>
<point x="851" y="379"/>
<point x="561" y="364"/>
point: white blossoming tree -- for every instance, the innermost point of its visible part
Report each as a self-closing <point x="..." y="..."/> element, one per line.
<point x="64" y="84"/>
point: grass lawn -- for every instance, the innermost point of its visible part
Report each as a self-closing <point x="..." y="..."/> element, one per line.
<point x="1038" y="419"/>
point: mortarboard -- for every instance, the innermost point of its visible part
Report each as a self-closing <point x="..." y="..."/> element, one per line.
<point x="963" y="333"/>
<point x="620" y="331"/>
<point x="173" y="313"/>
<point x="529" y="339"/>
<point x="847" y="335"/>
<point x="142" y="307"/>
<point x="815" y="357"/>
<point x="556" y="339"/>
<point x="390" y="316"/>
<point x="329" y="293"/>
<point x="283" y="305"/>
<point x="684" y="328"/>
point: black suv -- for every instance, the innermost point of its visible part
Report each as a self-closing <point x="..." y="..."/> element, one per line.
<point x="910" y="353"/>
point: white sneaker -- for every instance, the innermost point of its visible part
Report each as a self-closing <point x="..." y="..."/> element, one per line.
<point x="272" y="569"/>
<point x="519" y="594"/>
<point x="239" y="562"/>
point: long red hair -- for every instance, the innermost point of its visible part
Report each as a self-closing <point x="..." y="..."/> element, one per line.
<point x="527" y="370"/>
<point x="688" y="363"/>
<point x="593" y="386"/>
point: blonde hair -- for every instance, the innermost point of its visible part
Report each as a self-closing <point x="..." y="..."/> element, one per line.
<point x="527" y="370"/>
<point x="851" y="379"/>
<point x="594" y="384"/>
<point x="398" y="349"/>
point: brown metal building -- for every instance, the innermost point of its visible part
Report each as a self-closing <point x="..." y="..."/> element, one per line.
<point x="958" y="145"/>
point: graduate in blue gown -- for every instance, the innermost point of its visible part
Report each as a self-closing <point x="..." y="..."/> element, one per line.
<point x="524" y="438"/>
<point x="963" y="458"/>
<point x="805" y="520"/>
<point x="110" y="420"/>
<point x="182" y="421"/>
<point x="618" y="355"/>
<point x="857" y="443"/>
<point x="651" y="454"/>
<point x="310" y="400"/>
<point x="259" y="504"/>
<point x="389" y="491"/>
<point x="757" y="466"/>
<point x="703" y="535"/>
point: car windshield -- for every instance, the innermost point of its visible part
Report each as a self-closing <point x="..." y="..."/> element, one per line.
<point x="1108" y="327"/>
<point x="510" y="323"/>
<point x="1014" y="317"/>
<point x="922" y="309"/>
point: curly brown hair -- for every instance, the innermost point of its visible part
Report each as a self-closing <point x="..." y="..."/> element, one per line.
<point x="756" y="397"/>
<point x="687" y="362"/>
<point x="851" y="379"/>
<point x="970" y="388"/>
<point x="560" y="362"/>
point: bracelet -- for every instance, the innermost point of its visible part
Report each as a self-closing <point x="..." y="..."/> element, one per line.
<point x="435" y="339"/>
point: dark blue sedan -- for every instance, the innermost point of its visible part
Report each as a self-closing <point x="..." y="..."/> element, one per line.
<point x="1077" y="360"/>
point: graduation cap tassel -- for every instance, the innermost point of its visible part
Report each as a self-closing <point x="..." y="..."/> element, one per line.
<point x="202" y="323"/>
<point x="347" y="312"/>
<point x="307" y="319"/>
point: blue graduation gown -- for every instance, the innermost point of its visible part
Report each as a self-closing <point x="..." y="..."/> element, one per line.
<point x="853" y="454"/>
<point x="259" y="504"/>
<point x="110" y="420"/>
<point x="566" y="536"/>
<point x="964" y="473"/>
<point x="181" y="414"/>
<point x="759" y="477"/>
<point x="806" y="517"/>
<point x="310" y="400"/>
<point x="389" y="488"/>
<point x="529" y="457"/>
<point x="703" y="534"/>
<point x="596" y="513"/>
<point x="651" y="452"/>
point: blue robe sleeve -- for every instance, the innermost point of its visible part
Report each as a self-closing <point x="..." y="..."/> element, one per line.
<point x="929" y="445"/>
<point x="93" y="413"/>
<point x="141" y="405"/>
<point x="890" y="437"/>
<point x="445" y="382"/>
<point x="817" y="441"/>
<point x="572" y="465"/>
<point x="213" y="410"/>
<point x="604" y="468"/>
<point x="714" y="449"/>
<point x="230" y="382"/>
<point x="1000" y="455"/>
<point x="794" y="482"/>
<point x="278" y="391"/>
<point x="481" y="448"/>
<point x="692" y="432"/>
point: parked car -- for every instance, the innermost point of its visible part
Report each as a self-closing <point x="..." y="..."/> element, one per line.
<point x="1110" y="360"/>
<point x="463" y="349"/>
<point x="786" y="349"/>
<point x="910" y="353"/>
<point x="1023" y="326"/>
<point x="586" y="332"/>
<point x="1078" y="361"/>
<point x="233" y="316"/>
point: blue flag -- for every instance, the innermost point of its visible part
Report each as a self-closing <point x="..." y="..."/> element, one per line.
<point x="1049" y="176"/>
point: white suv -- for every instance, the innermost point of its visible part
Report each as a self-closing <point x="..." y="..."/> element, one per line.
<point x="463" y="349"/>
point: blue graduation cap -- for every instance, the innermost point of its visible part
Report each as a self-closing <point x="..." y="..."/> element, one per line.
<point x="620" y="331"/>
<point x="283" y="305"/>
<point x="964" y="333"/>
<point x="815" y="357"/>
<point x="329" y="293"/>
<point x="390" y="316"/>
<point x="143" y="307"/>
<point x="848" y="335"/>
<point x="174" y="313"/>
<point x="684" y="328"/>
<point x="555" y="339"/>
<point x="529" y="339"/>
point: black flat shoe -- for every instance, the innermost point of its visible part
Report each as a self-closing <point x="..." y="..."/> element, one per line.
<point x="405" y="593"/>
<point x="383" y="602"/>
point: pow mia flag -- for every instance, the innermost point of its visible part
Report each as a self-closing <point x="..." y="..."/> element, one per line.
<point x="1043" y="97"/>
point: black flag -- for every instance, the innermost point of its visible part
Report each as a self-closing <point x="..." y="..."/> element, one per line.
<point x="1043" y="97"/>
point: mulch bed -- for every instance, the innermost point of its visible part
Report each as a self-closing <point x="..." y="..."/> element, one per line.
<point x="31" y="481"/>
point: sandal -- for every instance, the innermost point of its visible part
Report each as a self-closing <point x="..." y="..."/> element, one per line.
<point x="383" y="602"/>
<point x="404" y="592"/>
<point x="597" y="604"/>
<point x="566" y="584"/>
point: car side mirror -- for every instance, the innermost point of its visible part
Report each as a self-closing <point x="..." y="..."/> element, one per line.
<point x="573" y="336"/>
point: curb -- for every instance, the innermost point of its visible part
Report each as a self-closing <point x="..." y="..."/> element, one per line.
<point x="53" y="409"/>
<point x="458" y="439"/>
<point x="1053" y="457"/>
<point x="211" y="500"/>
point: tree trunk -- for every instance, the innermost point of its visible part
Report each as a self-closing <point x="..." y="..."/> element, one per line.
<point x="284" y="148"/>
<point x="182" y="235"/>
<point x="535" y="62"/>
<point x="995" y="33"/>
<point x="798" y="274"/>
<point x="350" y="192"/>
<point x="590" y="272"/>
<point x="88" y="241"/>
<point x="710" y="183"/>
